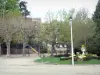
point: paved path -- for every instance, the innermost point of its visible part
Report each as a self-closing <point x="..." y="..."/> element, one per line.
<point x="26" y="66"/>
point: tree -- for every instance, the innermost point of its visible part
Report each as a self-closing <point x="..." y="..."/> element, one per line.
<point x="28" y="30"/>
<point x="1" y="36"/>
<point x="96" y="19"/>
<point x="1" y="41"/>
<point x="25" y="13"/>
<point x="56" y="28"/>
<point x="9" y="9"/>
<point x="64" y="27"/>
<point x="82" y="28"/>
<point x="50" y="30"/>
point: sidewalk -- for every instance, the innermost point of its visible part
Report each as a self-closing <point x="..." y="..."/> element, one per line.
<point x="27" y="66"/>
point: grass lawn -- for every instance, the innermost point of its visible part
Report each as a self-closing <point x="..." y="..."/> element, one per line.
<point x="55" y="60"/>
<point x="93" y="61"/>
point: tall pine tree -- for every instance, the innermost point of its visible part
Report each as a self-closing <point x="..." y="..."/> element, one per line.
<point x="96" y="16"/>
<point x="96" y="19"/>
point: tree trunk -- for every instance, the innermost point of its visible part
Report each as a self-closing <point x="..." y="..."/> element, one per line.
<point x="56" y="53"/>
<point x="52" y="51"/>
<point x="0" y="49"/>
<point x="24" y="44"/>
<point x="39" y="50"/>
<point x="85" y="42"/>
<point x="16" y="49"/>
<point x="8" y="48"/>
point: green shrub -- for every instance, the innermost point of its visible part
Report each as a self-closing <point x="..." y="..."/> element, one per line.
<point x="94" y="57"/>
<point x="88" y="57"/>
<point x="98" y="53"/>
<point x="76" y="58"/>
<point x="98" y="57"/>
<point x="83" y="57"/>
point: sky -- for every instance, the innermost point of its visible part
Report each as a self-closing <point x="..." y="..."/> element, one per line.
<point x="39" y="8"/>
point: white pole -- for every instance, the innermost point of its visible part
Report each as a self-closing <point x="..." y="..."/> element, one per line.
<point x="72" y="49"/>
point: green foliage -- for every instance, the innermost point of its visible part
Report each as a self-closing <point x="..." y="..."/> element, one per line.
<point x="88" y="57"/>
<point x="23" y="9"/>
<point x="56" y="28"/>
<point x="64" y="32"/>
<point x="9" y="10"/>
<point x="96" y="19"/>
<point x="9" y="6"/>
<point x="91" y="45"/>
<point x="43" y="47"/>
<point x="96" y="16"/>
<point x="82" y="28"/>
<point x="98" y="58"/>
<point x="1" y="40"/>
<point x="18" y="37"/>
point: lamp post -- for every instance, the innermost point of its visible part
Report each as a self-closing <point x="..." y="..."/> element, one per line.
<point x="72" y="49"/>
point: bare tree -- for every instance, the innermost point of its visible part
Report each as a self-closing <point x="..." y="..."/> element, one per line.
<point x="9" y="28"/>
<point x="8" y="14"/>
<point x="28" y="28"/>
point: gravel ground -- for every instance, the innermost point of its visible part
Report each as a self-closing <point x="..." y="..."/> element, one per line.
<point x="18" y="65"/>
